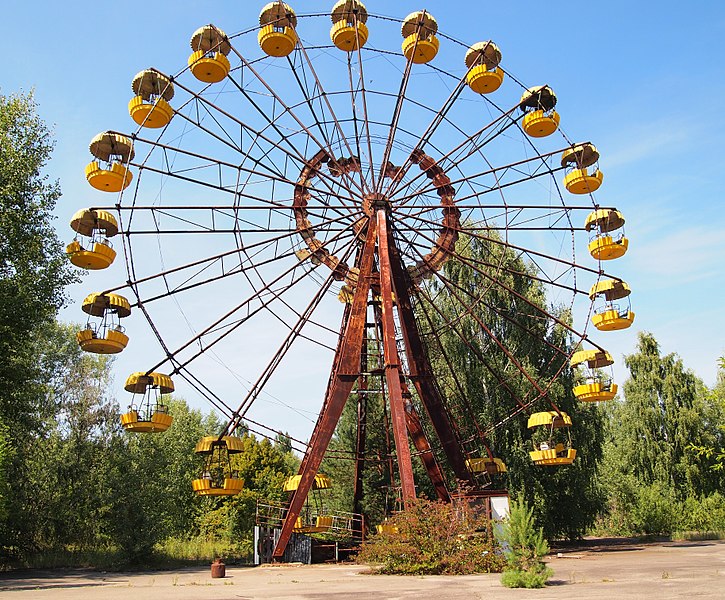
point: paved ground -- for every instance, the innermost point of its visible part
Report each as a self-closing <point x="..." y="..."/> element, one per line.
<point x="621" y="571"/>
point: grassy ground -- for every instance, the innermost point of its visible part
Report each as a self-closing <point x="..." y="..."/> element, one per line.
<point x="170" y="554"/>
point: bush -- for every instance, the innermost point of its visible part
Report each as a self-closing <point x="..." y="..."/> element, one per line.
<point x="525" y="579"/>
<point x="434" y="538"/>
<point x="656" y="510"/>
<point x="524" y="548"/>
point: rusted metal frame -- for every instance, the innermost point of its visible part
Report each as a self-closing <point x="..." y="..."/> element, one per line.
<point x="557" y="213"/>
<point x="440" y="116"/>
<point x="397" y="111"/>
<point x="449" y="285"/>
<point x="521" y="273"/>
<point x="197" y="263"/>
<point x="393" y="371"/>
<point x="327" y="180"/>
<point x="227" y="139"/>
<point x="469" y="139"/>
<point x="487" y="99"/>
<point x="401" y="200"/>
<point x="214" y="162"/>
<point x="514" y="228"/>
<point x="540" y="254"/>
<point x="209" y="231"/>
<point x="417" y="433"/>
<point x="258" y="134"/>
<point x="505" y="350"/>
<point x="361" y="437"/>
<point x="489" y="189"/>
<point x="342" y="379"/>
<point x="474" y="350"/>
<point x="472" y="263"/>
<point x="422" y="208"/>
<point x="423" y="447"/>
<point x="356" y="130"/>
<point x="461" y="392"/>
<point x="276" y="360"/>
<point x="410" y="101"/>
<point x="523" y="404"/>
<point x="520" y="220"/>
<point x="240" y="269"/>
<point x="386" y="413"/>
<point x="421" y="372"/>
<point x="202" y="389"/>
<point x="338" y="126"/>
<point x="363" y="91"/>
<point x="263" y="305"/>
<point x="544" y="313"/>
<point x="471" y="232"/>
<point x="287" y="109"/>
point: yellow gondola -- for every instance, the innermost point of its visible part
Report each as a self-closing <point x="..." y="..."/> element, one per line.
<point x="594" y="385"/>
<point x="317" y="522"/>
<point x="486" y="464"/>
<point x="208" y="61"/>
<point x="106" y="336"/>
<point x="610" y="316"/>
<point x="277" y="36"/>
<point x="110" y="174"/>
<point x="349" y="32"/>
<point x="556" y="449"/>
<point x="604" y="244"/>
<point x="321" y="482"/>
<point x="582" y="174"/>
<point x="420" y="43"/>
<point x="540" y="118"/>
<point x="150" y="105"/>
<point x="484" y="75"/>
<point x="148" y="414"/>
<point x="218" y="478"/>
<point x="91" y="249"/>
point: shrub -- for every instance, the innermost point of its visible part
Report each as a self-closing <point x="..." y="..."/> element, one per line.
<point x="434" y="538"/>
<point x="656" y="510"/>
<point x="524" y="548"/>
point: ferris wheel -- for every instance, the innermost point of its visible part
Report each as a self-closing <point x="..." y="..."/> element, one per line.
<point x="287" y="195"/>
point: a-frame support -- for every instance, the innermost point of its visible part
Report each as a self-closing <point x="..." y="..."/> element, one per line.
<point x="346" y="370"/>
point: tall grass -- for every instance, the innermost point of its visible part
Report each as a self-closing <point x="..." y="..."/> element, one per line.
<point x="203" y="550"/>
<point x="172" y="553"/>
<point x="698" y="536"/>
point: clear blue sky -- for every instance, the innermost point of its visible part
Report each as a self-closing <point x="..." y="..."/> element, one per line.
<point x="641" y="80"/>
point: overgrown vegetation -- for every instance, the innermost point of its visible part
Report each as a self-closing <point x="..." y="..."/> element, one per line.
<point x="76" y="490"/>
<point x="655" y="481"/>
<point x="524" y="548"/>
<point x="433" y="538"/>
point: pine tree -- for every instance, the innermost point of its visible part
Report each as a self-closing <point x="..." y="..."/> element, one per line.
<point x="524" y="548"/>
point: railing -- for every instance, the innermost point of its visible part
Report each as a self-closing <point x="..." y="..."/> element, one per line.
<point x="312" y="521"/>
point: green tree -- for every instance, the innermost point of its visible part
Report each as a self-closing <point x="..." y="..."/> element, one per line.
<point x="150" y="479"/>
<point x="650" y="467"/>
<point x="565" y="500"/>
<point x="524" y="548"/>
<point x="57" y="495"/>
<point x="33" y="275"/>
<point x="263" y="466"/>
<point x="715" y="452"/>
<point x="33" y="267"/>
